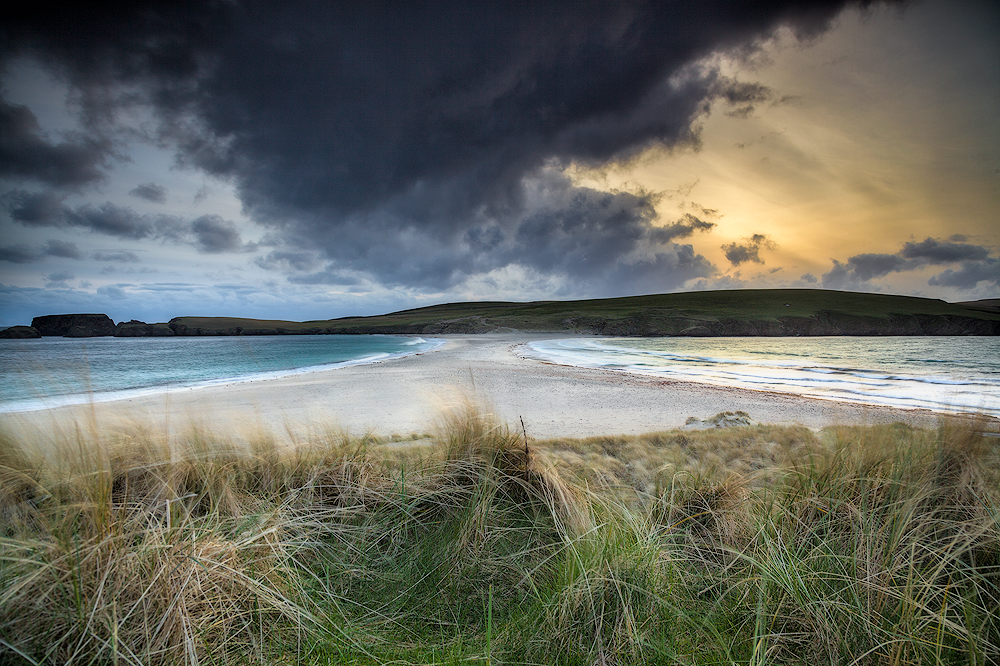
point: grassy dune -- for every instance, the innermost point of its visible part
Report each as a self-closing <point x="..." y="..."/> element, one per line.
<point x="122" y="543"/>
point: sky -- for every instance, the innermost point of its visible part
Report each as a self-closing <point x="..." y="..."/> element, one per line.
<point x="307" y="160"/>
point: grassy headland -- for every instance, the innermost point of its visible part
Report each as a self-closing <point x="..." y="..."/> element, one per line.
<point x="126" y="544"/>
<point x="768" y="312"/>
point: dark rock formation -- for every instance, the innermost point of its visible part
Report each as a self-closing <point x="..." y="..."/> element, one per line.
<point x="140" y="329"/>
<point x="20" y="333"/>
<point x="75" y="325"/>
<point x="720" y="420"/>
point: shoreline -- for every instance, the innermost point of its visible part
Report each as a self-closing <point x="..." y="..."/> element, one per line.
<point x="119" y="395"/>
<point x="401" y="396"/>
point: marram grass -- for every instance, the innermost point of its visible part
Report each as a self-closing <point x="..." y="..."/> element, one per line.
<point x="122" y="543"/>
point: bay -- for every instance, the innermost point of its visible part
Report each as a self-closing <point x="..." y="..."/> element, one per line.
<point x="52" y="371"/>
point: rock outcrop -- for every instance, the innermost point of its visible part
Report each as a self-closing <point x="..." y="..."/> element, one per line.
<point x="140" y="329"/>
<point x="720" y="420"/>
<point x="20" y="333"/>
<point x="75" y="325"/>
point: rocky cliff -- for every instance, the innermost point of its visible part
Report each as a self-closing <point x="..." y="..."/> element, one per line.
<point x="20" y="333"/>
<point x="75" y="325"/>
<point x="140" y="329"/>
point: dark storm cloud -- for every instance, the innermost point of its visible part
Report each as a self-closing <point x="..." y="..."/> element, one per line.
<point x="405" y="141"/>
<point x="150" y="192"/>
<point x="25" y="154"/>
<point x="749" y="250"/>
<point x="976" y="264"/>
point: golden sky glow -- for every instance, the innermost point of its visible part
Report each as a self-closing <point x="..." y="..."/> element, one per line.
<point x="885" y="130"/>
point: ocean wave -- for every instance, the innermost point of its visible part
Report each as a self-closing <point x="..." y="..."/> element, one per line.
<point x="889" y="372"/>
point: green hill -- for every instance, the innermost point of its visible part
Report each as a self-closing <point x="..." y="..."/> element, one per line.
<point x="746" y="312"/>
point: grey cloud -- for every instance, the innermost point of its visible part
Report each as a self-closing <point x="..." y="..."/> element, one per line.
<point x="64" y="249"/>
<point x="24" y="254"/>
<point x="111" y="220"/>
<point x="976" y="264"/>
<point x="331" y="276"/>
<point x="61" y="276"/>
<point x="119" y="256"/>
<point x="861" y="268"/>
<point x="114" y="292"/>
<point x="214" y="234"/>
<point x="683" y="228"/>
<point x="838" y="277"/>
<point x="401" y="137"/>
<point x="19" y="254"/>
<point x="867" y="266"/>
<point x="704" y="212"/>
<point x="208" y="233"/>
<point x="280" y="260"/>
<point x="39" y="209"/>
<point x="150" y="192"/>
<point x="809" y="277"/>
<point x="741" y="97"/>
<point x="969" y="275"/>
<point x="25" y="154"/>
<point x="933" y="251"/>
<point x="749" y="250"/>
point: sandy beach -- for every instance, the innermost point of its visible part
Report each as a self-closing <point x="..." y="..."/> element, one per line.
<point x="404" y="396"/>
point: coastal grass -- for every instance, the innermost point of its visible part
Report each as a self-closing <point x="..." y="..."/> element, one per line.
<point x="655" y="314"/>
<point x="126" y="543"/>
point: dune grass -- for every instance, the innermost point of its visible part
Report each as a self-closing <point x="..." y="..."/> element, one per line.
<point x="121" y="543"/>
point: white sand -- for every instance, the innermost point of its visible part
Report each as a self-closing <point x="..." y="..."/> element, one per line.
<point x="405" y="395"/>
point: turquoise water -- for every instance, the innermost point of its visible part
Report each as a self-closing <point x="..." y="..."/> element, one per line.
<point x="946" y="374"/>
<point x="51" y="371"/>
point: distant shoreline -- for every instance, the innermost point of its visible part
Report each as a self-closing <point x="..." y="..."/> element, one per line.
<point x="729" y="313"/>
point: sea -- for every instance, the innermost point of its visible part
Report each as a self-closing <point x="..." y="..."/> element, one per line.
<point x="944" y="374"/>
<point x="53" y="371"/>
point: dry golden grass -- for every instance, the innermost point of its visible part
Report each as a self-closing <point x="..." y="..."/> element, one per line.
<point x="122" y="542"/>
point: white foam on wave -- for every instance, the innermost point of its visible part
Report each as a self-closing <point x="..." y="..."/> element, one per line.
<point x="927" y="388"/>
